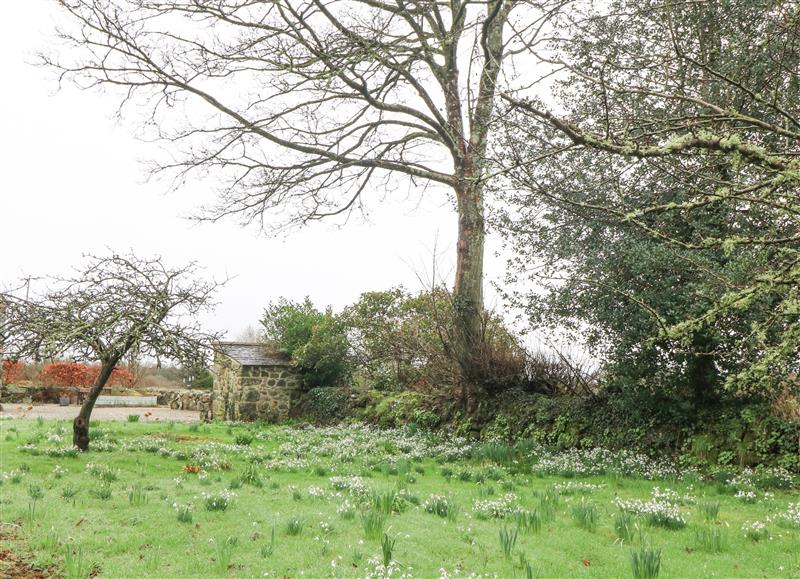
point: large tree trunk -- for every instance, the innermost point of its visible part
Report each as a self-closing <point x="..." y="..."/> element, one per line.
<point x="469" y="187"/>
<point x="468" y="292"/>
<point x="80" y="426"/>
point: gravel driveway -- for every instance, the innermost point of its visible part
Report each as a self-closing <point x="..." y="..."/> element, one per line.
<point x="156" y="414"/>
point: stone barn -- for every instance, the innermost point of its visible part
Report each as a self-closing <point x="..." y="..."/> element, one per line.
<point x="253" y="382"/>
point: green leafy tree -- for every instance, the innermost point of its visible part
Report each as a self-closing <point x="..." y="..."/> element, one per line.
<point x="197" y="377"/>
<point x="661" y="196"/>
<point x="316" y="341"/>
<point x="399" y="339"/>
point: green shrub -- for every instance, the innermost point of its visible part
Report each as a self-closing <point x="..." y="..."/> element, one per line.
<point x="224" y="553"/>
<point x="499" y="452"/>
<point x="183" y="512"/>
<point x="625" y="526"/>
<point x="102" y="492"/>
<point x="384" y="502"/>
<point x="586" y="514"/>
<point x="316" y="341"/>
<point x="243" y="439"/>
<point x="508" y="538"/>
<point x="528" y="521"/>
<point x="202" y="378"/>
<point x="137" y="495"/>
<point x="251" y="476"/>
<point x="328" y="405"/>
<point x="646" y="562"/>
<point x="709" y="510"/>
<point x="396" y="409"/>
<point x="441" y="506"/>
<point x="709" y="539"/>
<point x="75" y="565"/>
<point x="294" y="526"/>
<point x="373" y="523"/>
<point x="387" y="549"/>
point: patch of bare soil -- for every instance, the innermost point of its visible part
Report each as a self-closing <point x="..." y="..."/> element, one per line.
<point x="15" y="557"/>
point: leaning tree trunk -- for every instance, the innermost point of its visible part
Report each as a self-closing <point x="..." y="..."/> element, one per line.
<point x="80" y="426"/>
<point x="468" y="293"/>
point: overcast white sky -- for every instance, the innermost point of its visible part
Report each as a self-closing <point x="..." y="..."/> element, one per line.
<point x="73" y="182"/>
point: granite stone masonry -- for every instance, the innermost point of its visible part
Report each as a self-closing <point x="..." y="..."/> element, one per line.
<point x="252" y="382"/>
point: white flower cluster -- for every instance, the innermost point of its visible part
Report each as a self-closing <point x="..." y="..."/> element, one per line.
<point x="495" y="508"/>
<point x="756" y="530"/>
<point x="182" y="507"/>
<point x="290" y="464"/>
<point x="316" y="492"/>
<point x="218" y="501"/>
<point x="346" y="509"/>
<point x="59" y="471"/>
<point x="657" y="513"/>
<point x="103" y="446"/>
<point x="749" y="479"/>
<point x="352" y="485"/>
<point x="437" y="505"/>
<point x="670" y="496"/>
<point x="211" y="456"/>
<point x="61" y="452"/>
<point x="791" y="517"/>
<point x="14" y="476"/>
<point x="377" y="570"/>
<point x="144" y="444"/>
<point x="746" y="496"/>
<point x="346" y="443"/>
<point x="101" y="471"/>
<point x="445" y="574"/>
<point x="599" y="461"/>
<point x="572" y="487"/>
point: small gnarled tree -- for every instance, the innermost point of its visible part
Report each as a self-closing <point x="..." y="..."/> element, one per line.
<point x="111" y="307"/>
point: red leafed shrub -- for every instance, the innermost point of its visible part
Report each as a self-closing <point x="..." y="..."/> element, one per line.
<point x="121" y="377"/>
<point x="12" y="371"/>
<point x="66" y="374"/>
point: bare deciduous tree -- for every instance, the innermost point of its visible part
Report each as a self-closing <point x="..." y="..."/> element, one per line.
<point x="111" y="307"/>
<point x="315" y="103"/>
<point x="250" y="334"/>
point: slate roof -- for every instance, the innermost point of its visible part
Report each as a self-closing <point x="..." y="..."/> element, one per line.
<point x="250" y="354"/>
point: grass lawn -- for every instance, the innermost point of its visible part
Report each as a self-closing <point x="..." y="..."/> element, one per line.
<point x="290" y="502"/>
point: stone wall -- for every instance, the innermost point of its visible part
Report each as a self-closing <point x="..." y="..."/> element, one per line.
<point x="226" y="386"/>
<point x="199" y="400"/>
<point x="253" y="392"/>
